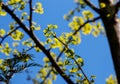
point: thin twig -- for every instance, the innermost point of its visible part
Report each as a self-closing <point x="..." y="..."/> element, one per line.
<point x="38" y="44"/>
<point x="70" y="41"/>
<point x="80" y="68"/>
<point x="60" y="54"/>
<point x="61" y="41"/>
<point x="30" y="20"/>
<point x="29" y="49"/>
<point x="88" y="21"/>
<point x="3" y="38"/>
<point x="48" y="74"/>
<point x="92" y="6"/>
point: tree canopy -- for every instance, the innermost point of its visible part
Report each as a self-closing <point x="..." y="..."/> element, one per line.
<point x="25" y="35"/>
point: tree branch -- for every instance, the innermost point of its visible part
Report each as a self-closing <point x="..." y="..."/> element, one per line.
<point x="88" y="21"/>
<point x="60" y="41"/>
<point x="80" y="68"/>
<point x="38" y="44"/>
<point x="29" y="49"/>
<point x="3" y="38"/>
<point x="117" y="6"/>
<point x="91" y="6"/>
<point x="30" y="20"/>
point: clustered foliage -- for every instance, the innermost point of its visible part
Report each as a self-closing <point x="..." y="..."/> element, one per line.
<point x="70" y="63"/>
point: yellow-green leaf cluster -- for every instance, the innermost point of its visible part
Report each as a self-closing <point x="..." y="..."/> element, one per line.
<point x="111" y="80"/>
<point x="97" y="29"/>
<point x="2" y="13"/>
<point x="48" y="81"/>
<point x="28" y="43"/>
<point x="2" y="67"/>
<point x="76" y="23"/>
<point x="6" y="49"/>
<point x="79" y="60"/>
<point x="102" y="5"/>
<point x="1" y="61"/>
<point x="12" y="25"/>
<point x="16" y="52"/>
<point x="46" y="60"/>
<point x="38" y="8"/>
<point x="18" y="4"/>
<point x="73" y="70"/>
<point x="87" y="14"/>
<point x="85" y="81"/>
<point x="60" y="63"/>
<point x="49" y="40"/>
<point x="17" y="35"/>
<point x="48" y="32"/>
<point x="37" y="48"/>
<point x="53" y="75"/>
<point x="22" y="5"/>
<point x="53" y="55"/>
<point x="35" y="26"/>
<point x="23" y="16"/>
<point x="87" y="29"/>
<point x="76" y="39"/>
<point x="70" y="53"/>
<point x="56" y="43"/>
<point x="11" y="2"/>
<point x="2" y="32"/>
<point x="42" y="73"/>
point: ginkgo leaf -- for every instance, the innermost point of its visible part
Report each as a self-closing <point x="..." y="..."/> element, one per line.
<point x="87" y="14"/>
<point x="49" y="81"/>
<point x="2" y="13"/>
<point x="45" y="59"/>
<point x="73" y="70"/>
<point x="2" y="32"/>
<point x="111" y="80"/>
<point x="38" y="8"/>
<point x="87" y="29"/>
<point x="102" y="5"/>
<point x="1" y="61"/>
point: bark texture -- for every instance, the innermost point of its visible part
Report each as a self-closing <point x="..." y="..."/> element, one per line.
<point x="112" y="27"/>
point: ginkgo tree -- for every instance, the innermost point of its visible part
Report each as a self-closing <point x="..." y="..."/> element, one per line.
<point x="68" y="67"/>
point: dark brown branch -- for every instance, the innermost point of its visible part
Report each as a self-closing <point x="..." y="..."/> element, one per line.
<point x="38" y="44"/>
<point x="61" y="41"/>
<point x="91" y="6"/>
<point x="117" y="6"/>
<point x="112" y="28"/>
<point x="30" y="20"/>
<point x="74" y="61"/>
<point x="3" y="38"/>
<point x="88" y="21"/>
<point x="29" y="49"/>
<point x="60" y="54"/>
<point x="80" y="68"/>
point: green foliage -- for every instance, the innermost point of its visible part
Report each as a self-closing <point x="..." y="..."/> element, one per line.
<point x="71" y="63"/>
<point x="111" y="80"/>
<point x="38" y="8"/>
<point x="17" y="64"/>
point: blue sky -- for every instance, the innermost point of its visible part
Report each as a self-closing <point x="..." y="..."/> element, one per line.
<point x="94" y="50"/>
